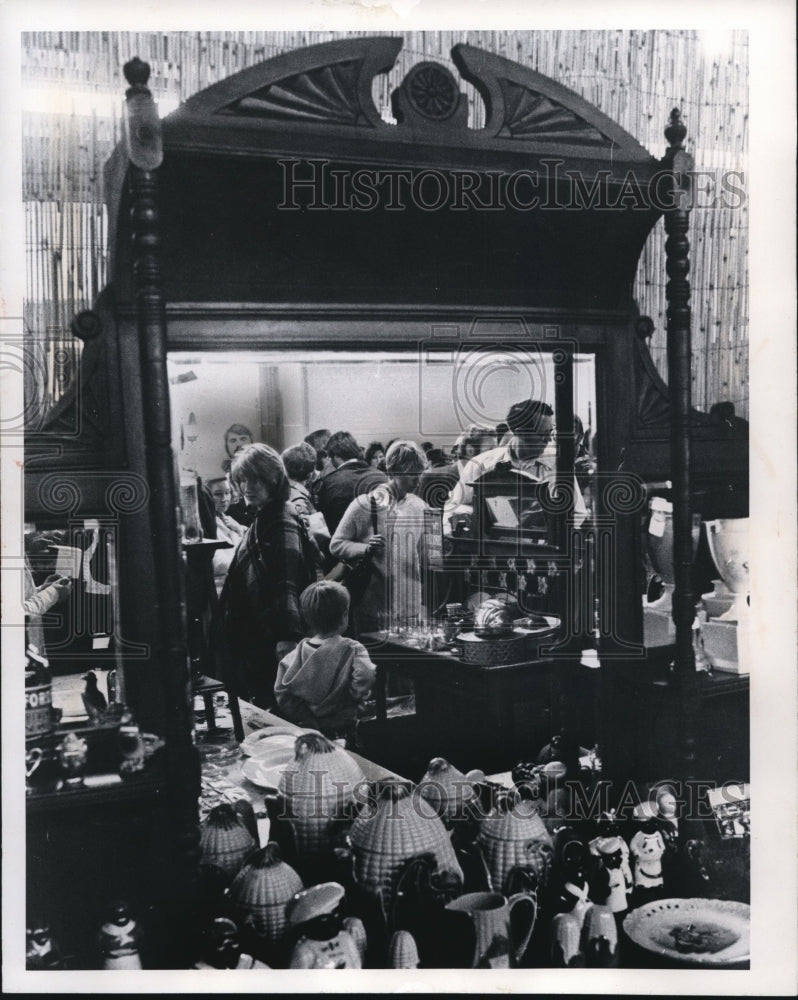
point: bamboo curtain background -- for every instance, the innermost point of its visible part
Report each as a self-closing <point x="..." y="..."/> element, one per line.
<point x="73" y="89"/>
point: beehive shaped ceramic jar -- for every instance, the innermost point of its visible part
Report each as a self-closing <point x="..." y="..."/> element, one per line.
<point x="317" y="792"/>
<point x="390" y="831"/>
<point x="448" y="790"/>
<point x="513" y="835"/>
<point x="225" y="841"/>
<point x="260" y="892"/>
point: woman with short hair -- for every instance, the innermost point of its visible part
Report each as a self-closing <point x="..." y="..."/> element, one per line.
<point x="259" y="616"/>
<point x="394" y="593"/>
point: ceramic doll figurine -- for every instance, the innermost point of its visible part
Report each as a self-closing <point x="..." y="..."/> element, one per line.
<point x="570" y="867"/>
<point x="647" y="848"/>
<point x="599" y="940"/>
<point x="222" y="949"/>
<point x="324" y="939"/>
<point x="614" y="860"/>
<point x="607" y="827"/>
<point x="119" y="937"/>
<point x="42" y="951"/>
<point x="566" y="950"/>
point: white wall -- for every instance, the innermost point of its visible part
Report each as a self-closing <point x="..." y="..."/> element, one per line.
<point x="223" y="393"/>
<point x="378" y="398"/>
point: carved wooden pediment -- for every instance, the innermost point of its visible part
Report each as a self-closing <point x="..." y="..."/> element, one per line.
<point x="525" y="106"/>
<point x="329" y="86"/>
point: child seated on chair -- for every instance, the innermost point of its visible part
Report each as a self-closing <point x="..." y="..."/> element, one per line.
<point x="321" y="683"/>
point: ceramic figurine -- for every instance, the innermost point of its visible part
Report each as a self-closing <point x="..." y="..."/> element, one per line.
<point x="647" y="848"/>
<point x="131" y="746"/>
<point x="73" y="754"/>
<point x="42" y="951"/>
<point x="93" y="699"/>
<point x="222" y="949"/>
<point x="571" y="888"/>
<point x="324" y="939"/>
<point x="119" y="937"/>
<point x="613" y="858"/>
<point x="566" y="934"/>
<point x="599" y="940"/>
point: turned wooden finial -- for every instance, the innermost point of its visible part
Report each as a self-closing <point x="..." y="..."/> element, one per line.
<point x="676" y="130"/>
<point x="137" y="73"/>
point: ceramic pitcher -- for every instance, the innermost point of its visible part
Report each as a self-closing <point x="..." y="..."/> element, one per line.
<point x="502" y="926"/>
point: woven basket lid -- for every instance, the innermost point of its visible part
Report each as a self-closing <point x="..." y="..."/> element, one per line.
<point x="321" y="769"/>
<point x="514" y="820"/>
<point x="446" y="787"/>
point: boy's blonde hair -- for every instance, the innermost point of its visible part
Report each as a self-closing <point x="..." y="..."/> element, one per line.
<point x="325" y="607"/>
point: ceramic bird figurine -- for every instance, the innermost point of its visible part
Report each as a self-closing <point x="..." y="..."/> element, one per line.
<point x="93" y="699"/>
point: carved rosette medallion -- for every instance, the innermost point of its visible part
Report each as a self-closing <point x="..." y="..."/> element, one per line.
<point x="432" y="91"/>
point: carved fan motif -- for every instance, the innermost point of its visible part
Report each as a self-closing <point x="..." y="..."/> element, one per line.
<point x="327" y="94"/>
<point x="531" y="114"/>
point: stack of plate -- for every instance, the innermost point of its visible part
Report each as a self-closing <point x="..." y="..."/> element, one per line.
<point x="270" y="751"/>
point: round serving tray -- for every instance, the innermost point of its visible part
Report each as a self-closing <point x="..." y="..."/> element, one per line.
<point x="706" y="932"/>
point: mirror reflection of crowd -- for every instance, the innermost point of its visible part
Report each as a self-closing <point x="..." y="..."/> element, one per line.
<point x="294" y="517"/>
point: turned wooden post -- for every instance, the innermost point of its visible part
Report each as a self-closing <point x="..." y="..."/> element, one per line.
<point x="144" y="148"/>
<point x="677" y="251"/>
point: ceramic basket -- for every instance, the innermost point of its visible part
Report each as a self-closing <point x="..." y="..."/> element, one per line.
<point x="261" y="890"/>
<point x="514" y="835"/>
<point x="225" y="841"/>
<point x="317" y="792"/>
<point x="400" y="826"/>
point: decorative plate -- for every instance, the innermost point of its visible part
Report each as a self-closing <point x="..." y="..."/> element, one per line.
<point x="536" y="624"/>
<point x="271" y="740"/>
<point x="709" y="932"/>
<point x="263" y="775"/>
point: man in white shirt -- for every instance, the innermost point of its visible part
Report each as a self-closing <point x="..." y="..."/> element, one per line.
<point x="531" y="449"/>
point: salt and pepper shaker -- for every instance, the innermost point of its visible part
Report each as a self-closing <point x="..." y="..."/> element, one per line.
<point x="119" y="937"/>
<point x="42" y="951"/>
